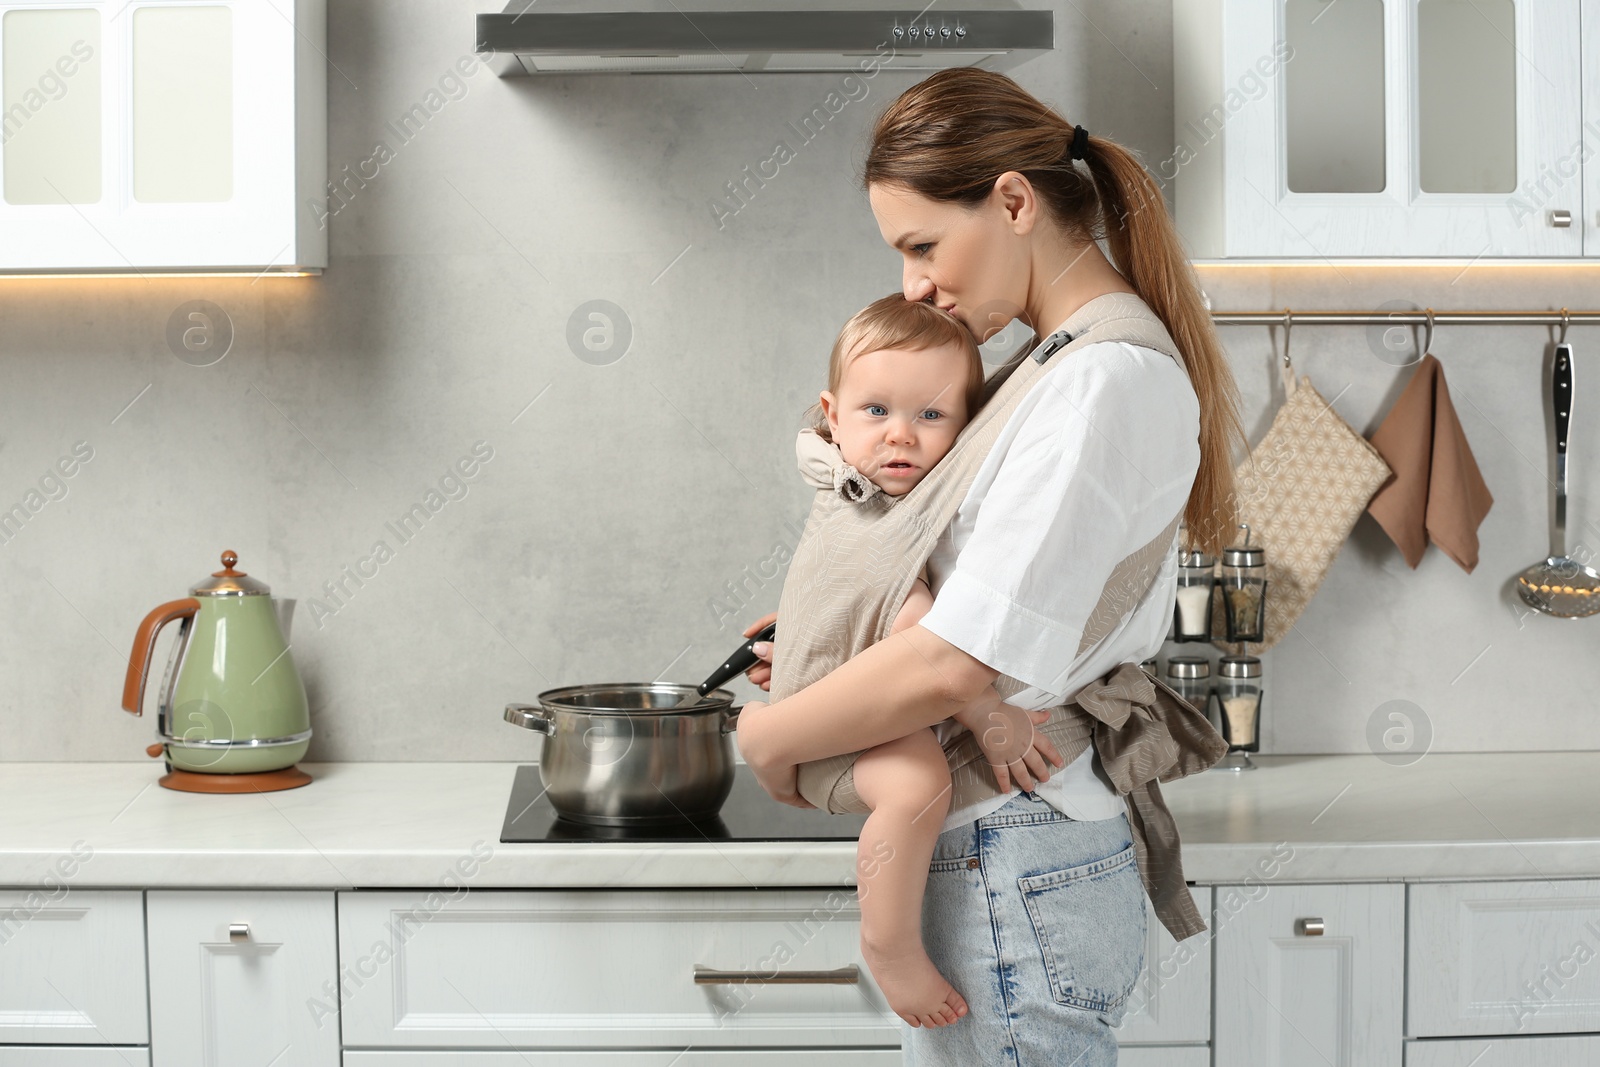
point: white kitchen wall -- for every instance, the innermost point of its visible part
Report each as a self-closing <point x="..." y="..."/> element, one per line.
<point x="629" y="520"/>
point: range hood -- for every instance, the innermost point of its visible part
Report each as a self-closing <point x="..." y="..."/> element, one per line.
<point x="749" y="36"/>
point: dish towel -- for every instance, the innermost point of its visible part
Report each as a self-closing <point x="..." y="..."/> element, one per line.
<point x="1437" y="493"/>
<point x="1301" y="490"/>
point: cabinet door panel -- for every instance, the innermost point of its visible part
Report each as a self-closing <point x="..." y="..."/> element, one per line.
<point x="1287" y="998"/>
<point x="72" y="970"/>
<point x="1503" y="958"/>
<point x="1505" y="1052"/>
<point x="1171" y="1003"/>
<point x="1396" y="216"/>
<point x="604" y="968"/>
<point x="267" y="997"/>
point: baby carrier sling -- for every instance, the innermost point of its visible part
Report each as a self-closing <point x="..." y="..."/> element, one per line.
<point x="862" y="549"/>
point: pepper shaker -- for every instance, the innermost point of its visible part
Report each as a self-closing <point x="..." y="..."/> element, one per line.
<point x="1244" y="590"/>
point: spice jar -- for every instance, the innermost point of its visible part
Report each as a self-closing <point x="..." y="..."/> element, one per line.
<point x="1244" y="590"/>
<point x="1190" y="678"/>
<point x="1238" y="691"/>
<point x="1148" y="666"/>
<point x="1192" y="611"/>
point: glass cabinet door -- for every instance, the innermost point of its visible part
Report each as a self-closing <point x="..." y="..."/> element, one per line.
<point x="1407" y="128"/>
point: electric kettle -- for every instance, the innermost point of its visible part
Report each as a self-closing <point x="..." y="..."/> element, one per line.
<point x="232" y="712"/>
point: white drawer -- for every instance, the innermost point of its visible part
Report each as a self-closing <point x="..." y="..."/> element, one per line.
<point x="603" y="968"/>
<point x="1171" y="1003"/>
<point x="83" y="1056"/>
<point x="72" y="968"/>
<point x="1503" y="958"/>
<point x="1164" y="1056"/>
<point x="1505" y="1052"/>
<point x="821" y="1057"/>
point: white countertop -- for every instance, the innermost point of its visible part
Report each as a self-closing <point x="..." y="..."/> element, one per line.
<point x="1345" y="818"/>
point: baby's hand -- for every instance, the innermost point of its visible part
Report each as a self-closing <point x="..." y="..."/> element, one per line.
<point x="1011" y="745"/>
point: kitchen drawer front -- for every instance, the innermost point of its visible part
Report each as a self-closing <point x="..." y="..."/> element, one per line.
<point x="86" y="1056"/>
<point x="603" y="968"/>
<point x="267" y="996"/>
<point x="72" y="969"/>
<point x="1172" y="1001"/>
<point x="1503" y="958"/>
<point x="1505" y="1052"/>
<point x="1164" y="1056"/>
<point x="820" y="1057"/>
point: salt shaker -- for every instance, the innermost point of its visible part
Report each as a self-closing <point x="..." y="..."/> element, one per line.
<point x="1238" y="692"/>
<point x="1192" y="611"/>
<point x="1244" y="590"/>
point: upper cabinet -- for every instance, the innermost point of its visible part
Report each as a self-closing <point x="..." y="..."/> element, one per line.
<point x="163" y="136"/>
<point x="1386" y="128"/>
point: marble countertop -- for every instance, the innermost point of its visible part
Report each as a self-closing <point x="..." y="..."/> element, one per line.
<point x="1296" y="819"/>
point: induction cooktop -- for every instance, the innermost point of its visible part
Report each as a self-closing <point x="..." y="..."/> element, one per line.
<point x="749" y="814"/>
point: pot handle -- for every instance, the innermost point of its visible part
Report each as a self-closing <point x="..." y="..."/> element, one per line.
<point x="530" y="717"/>
<point x="730" y="720"/>
<point x="144" y="640"/>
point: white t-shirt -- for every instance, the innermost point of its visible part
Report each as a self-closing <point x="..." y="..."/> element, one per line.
<point x="1095" y="461"/>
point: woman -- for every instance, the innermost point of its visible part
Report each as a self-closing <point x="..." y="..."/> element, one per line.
<point x="995" y="202"/>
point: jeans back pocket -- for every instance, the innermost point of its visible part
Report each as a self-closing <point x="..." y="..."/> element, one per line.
<point x="1090" y="921"/>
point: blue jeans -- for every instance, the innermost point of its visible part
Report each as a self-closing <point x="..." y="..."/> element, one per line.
<point x="1038" y="920"/>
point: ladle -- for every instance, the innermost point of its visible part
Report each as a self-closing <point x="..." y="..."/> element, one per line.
<point x="1560" y="585"/>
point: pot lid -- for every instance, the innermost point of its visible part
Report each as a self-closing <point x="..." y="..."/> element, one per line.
<point x="229" y="582"/>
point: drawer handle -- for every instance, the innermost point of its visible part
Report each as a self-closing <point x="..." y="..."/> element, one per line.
<point x="1561" y="218"/>
<point x="850" y="975"/>
<point x="238" y="932"/>
<point x="1308" y="927"/>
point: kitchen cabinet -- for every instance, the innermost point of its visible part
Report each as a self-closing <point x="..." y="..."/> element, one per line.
<point x="1503" y="958"/>
<point x="871" y="1057"/>
<point x="1385" y="128"/>
<point x="71" y="968"/>
<point x="163" y="136"/>
<point x="1311" y="974"/>
<point x="243" y="977"/>
<point x="83" y="1056"/>
<point x="1171" y="1003"/>
<point x="1510" y="1052"/>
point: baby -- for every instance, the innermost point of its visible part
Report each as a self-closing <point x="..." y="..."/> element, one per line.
<point x="903" y="379"/>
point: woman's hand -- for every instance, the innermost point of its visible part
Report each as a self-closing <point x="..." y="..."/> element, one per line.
<point x="779" y="780"/>
<point x="761" y="673"/>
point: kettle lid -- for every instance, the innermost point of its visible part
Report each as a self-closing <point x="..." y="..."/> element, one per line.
<point x="229" y="582"/>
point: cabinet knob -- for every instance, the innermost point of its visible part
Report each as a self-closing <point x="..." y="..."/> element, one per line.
<point x="1561" y="219"/>
<point x="1308" y="927"/>
<point x="238" y="932"/>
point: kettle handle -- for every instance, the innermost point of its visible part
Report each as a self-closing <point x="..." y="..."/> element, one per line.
<point x="144" y="641"/>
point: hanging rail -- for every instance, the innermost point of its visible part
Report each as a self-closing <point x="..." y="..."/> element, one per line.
<point x="1288" y="316"/>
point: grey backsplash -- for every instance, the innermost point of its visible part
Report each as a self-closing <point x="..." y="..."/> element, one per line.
<point x="625" y="501"/>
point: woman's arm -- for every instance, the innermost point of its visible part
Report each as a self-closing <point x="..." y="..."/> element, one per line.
<point x="908" y="681"/>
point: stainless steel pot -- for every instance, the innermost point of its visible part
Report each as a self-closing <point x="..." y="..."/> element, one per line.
<point x="625" y="753"/>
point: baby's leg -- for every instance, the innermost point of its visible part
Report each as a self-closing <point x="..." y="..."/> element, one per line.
<point x="906" y="782"/>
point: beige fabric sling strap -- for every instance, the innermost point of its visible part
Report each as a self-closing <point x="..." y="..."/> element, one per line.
<point x="862" y="549"/>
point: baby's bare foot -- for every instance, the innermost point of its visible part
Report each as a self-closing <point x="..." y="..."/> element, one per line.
<point x="915" y="989"/>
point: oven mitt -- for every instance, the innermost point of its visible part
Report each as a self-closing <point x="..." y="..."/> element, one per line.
<point x="1301" y="490"/>
<point x="1437" y="494"/>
